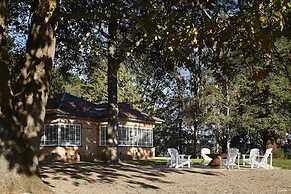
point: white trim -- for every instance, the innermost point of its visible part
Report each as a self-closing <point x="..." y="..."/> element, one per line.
<point x="133" y="136"/>
<point x="61" y="127"/>
<point x="102" y="129"/>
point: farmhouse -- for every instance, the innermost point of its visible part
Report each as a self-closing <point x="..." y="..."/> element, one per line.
<point x="76" y="129"/>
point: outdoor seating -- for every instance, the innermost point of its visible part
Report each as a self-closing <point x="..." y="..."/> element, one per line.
<point x="232" y="154"/>
<point x="204" y="157"/>
<point x="263" y="162"/>
<point x="178" y="160"/>
<point x="251" y="157"/>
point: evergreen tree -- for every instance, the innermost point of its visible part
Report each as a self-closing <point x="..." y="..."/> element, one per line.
<point x="95" y="83"/>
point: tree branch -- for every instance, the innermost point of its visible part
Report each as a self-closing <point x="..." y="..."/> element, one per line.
<point x="81" y="16"/>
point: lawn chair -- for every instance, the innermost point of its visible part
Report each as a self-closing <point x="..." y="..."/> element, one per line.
<point x="204" y="157"/>
<point x="232" y="154"/>
<point x="263" y="163"/>
<point x="178" y="160"/>
<point x="254" y="153"/>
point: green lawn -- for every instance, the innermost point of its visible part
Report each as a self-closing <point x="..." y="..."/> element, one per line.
<point x="282" y="163"/>
<point x="158" y="161"/>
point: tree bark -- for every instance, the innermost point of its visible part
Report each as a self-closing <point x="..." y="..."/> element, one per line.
<point x="181" y="138"/>
<point x="228" y="137"/>
<point x="269" y="134"/>
<point x="5" y="95"/>
<point x="113" y="66"/>
<point x="32" y="91"/>
<point x="269" y="139"/>
<point x="23" y="107"/>
<point x="195" y="140"/>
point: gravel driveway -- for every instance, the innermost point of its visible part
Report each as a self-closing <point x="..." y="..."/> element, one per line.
<point x="96" y="178"/>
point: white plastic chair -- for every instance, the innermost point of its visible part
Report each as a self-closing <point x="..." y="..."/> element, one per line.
<point x="254" y="153"/>
<point x="206" y="158"/>
<point x="263" y="163"/>
<point x="178" y="160"/>
<point x="232" y="154"/>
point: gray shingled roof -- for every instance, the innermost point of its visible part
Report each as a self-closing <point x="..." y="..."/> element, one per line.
<point x="68" y="105"/>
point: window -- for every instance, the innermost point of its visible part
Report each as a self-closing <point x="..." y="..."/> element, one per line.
<point x="50" y="135"/>
<point x="103" y="131"/>
<point x="147" y="137"/>
<point x="122" y="135"/>
<point x="130" y="136"/>
<point x="61" y="135"/>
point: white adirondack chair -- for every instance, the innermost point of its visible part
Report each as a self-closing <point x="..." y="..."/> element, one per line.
<point x="178" y="160"/>
<point x="206" y="158"/>
<point x="263" y="163"/>
<point x="232" y="154"/>
<point x="254" y="153"/>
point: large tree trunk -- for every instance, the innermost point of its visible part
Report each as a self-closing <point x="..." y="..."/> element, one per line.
<point x="113" y="66"/>
<point x="4" y="78"/>
<point x="23" y="109"/>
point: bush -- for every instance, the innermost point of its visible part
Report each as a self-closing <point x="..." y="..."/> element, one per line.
<point x="278" y="153"/>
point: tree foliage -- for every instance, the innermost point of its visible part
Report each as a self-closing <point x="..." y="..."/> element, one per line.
<point x="238" y="67"/>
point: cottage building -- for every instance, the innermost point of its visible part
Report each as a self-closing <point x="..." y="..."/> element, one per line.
<point x="76" y="129"/>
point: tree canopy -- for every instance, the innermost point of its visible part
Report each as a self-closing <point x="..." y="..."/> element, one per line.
<point x="222" y="66"/>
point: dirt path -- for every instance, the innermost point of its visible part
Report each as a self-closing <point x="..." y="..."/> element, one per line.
<point x="97" y="178"/>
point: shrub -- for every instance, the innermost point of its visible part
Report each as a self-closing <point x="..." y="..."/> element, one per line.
<point x="278" y="153"/>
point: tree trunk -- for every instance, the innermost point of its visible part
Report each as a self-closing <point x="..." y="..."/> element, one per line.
<point x="224" y="146"/>
<point x="228" y="117"/>
<point x="195" y="140"/>
<point x="2" y="22"/>
<point x="269" y="134"/>
<point x="113" y="66"/>
<point x="23" y="109"/>
<point x="181" y="138"/>
<point x="5" y="104"/>
<point x="269" y="138"/>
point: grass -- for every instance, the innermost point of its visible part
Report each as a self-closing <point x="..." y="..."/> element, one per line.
<point x="157" y="161"/>
<point x="281" y="163"/>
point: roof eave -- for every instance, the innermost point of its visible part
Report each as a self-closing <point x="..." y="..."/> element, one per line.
<point x="64" y="114"/>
